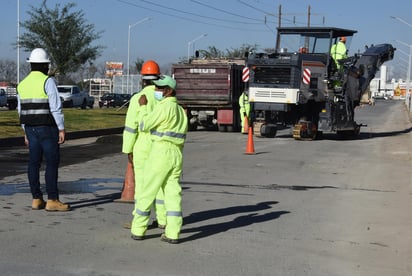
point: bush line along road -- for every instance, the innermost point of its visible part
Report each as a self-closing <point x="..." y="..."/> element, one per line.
<point x="323" y="207"/>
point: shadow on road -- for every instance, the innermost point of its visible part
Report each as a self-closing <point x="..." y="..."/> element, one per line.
<point x="241" y="221"/>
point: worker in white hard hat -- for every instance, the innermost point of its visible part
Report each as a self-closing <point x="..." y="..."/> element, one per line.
<point x="42" y="119"/>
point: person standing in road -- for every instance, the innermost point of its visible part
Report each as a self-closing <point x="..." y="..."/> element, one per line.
<point x="137" y="144"/>
<point x="42" y="119"/>
<point x="168" y="126"/>
<point x="244" y="110"/>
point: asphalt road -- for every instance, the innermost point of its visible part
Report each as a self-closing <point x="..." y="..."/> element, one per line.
<point x="327" y="207"/>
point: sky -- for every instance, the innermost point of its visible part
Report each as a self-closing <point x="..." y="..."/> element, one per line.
<point x="176" y="27"/>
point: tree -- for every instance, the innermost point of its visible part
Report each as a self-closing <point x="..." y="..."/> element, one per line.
<point x="138" y="65"/>
<point x="64" y="34"/>
<point x="240" y="52"/>
<point x="213" y="52"/>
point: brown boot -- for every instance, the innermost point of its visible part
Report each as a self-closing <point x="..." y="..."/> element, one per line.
<point x="37" y="204"/>
<point x="55" y="205"/>
<point x="127" y="225"/>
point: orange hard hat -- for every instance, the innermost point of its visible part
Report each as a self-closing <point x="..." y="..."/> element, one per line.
<point x="343" y="38"/>
<point x="150" y="67"/>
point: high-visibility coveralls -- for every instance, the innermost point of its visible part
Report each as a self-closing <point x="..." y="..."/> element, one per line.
<point x="140" y="144"/>
<point x="338" y="52"/>
<point x="244" y="108"/>
<point x="168" y="125"/>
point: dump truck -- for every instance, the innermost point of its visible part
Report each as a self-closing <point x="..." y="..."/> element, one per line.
<point x="302" y="87"/>
<point x="209" y="90"/>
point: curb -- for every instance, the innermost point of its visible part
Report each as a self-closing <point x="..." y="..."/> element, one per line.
<point x="19" y="141"/>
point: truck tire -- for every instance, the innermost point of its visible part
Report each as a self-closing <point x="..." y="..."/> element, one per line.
<point x="12" y="105"/>
<point x="192" y="127"/>
<point x="222" y="128"/>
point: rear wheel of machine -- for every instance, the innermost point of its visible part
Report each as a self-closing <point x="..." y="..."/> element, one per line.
<point x="192" y="127"/>
<point x="268" y="131"/>
<point x="222" y="128"/>
<point x="256" y="129"/>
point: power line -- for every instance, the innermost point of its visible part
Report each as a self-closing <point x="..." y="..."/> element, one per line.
<point x="199" y="15"/>
<point x="185" y="18"/>
<point x="227" y="12"/>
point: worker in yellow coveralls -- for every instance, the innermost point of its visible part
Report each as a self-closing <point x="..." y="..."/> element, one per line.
<point x="137" y="144"/>
<point x="168" y="125"/>
<point x="244" y="110"/>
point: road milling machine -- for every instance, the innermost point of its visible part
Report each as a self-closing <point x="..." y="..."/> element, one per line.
<point x="300" y="85"/>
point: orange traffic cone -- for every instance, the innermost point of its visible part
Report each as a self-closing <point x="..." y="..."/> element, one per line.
<point x="250" y="148"/>
<point x="245" y="125"/>
<point x="128" y="186"/>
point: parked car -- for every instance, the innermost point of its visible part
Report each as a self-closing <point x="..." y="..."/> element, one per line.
<point x="72" y="96"/>
<point x="8" y="98"/>
<point x="113" y="100"/>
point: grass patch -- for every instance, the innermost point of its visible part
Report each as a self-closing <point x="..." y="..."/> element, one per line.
<point x="74" y="120"/>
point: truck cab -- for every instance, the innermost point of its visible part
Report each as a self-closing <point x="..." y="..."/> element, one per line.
<point x="3" y="97"/>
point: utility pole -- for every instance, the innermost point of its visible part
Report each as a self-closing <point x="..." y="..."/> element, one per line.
<point x="307" y="38"/>
<point x="279" y="25"/>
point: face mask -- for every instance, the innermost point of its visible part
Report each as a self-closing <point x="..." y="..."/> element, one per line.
<point x="158" y="95"/>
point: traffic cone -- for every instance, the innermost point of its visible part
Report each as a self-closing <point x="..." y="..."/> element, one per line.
<point x="245" y="125"/>
<point x="250" y="148"/>
<point x="128" y="186"/>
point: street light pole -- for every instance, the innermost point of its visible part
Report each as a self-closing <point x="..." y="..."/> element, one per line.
<point x="408" y="77"/>
<point x="401" y="20"/>
<point x="18" y="41"/>
<point x="192" y="42"/>
<point x="408" y="95"/>
<point x="128" y="50"/>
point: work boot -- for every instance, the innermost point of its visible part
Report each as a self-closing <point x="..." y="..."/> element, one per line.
<point x="168" y="240"/>
<point x="155" y="224"/>
<point x="127" y="225"/>
<point x="137" y="238"/>
<point x="55" y="205"/>
<point x="37" y="204"/>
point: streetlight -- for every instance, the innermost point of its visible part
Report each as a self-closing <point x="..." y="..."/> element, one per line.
<point x="408" y="77"/>
<point x="128" y="49"/>
<point x="408" y="98"/>
<point x="401" y="20"/>
<point x="18" y="41"/>
<point x="193" y="41"/>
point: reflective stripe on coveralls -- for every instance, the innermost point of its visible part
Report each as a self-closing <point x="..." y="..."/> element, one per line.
<point x="140" y="143"/>
<point x="163" y="167"/>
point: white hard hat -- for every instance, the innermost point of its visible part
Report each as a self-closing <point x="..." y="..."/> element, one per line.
<point x="38" y="55"/>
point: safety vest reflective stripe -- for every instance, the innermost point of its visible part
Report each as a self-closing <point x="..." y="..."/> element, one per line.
<point x="160" y="201"/>
<point x="169" y="134"/>
<point x="173" y="213"/>
<point x="141" y="213"/>
<point x="130" y="130"/>
<point x="28" y="101"/>
<point x="35" y="111"/>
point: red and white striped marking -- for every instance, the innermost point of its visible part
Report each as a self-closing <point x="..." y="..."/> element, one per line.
<point x="245" y="74"/>
<point x="306" y="76"/>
